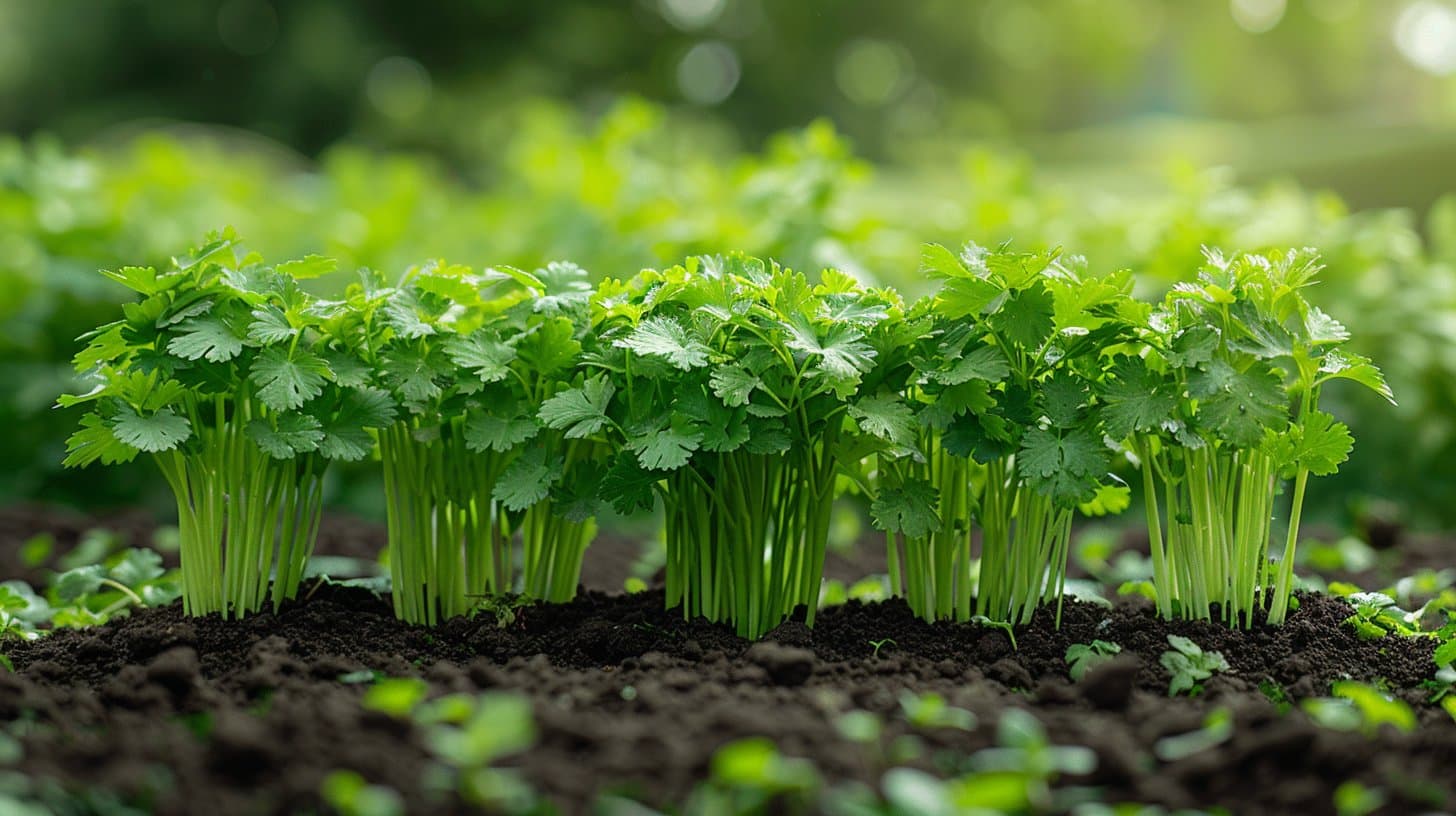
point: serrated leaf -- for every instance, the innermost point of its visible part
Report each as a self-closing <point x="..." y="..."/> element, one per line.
<point x="270" y="325"/>
<point x="1320" y="445"/>
<point x="482" y="353"/>
<point x="307" y="267"/>
<point x="910" y="509"/>
<point x="549" y="347"/>
<point x="580" y="412"/>
<point x="1238" y="405"/>
<point x="72" y="585"/>
<point x="206" y="338"/>
<point x="487" y="432"/>
<point x="1323" y="329"/>
<point x="667" y="446"/>
<point x="527" y="480"/>
<point x="1344" y="365"/>
<point x="1063" y="397"/>
<point x="887" y="417"/>
<point x="137" y="566"/>
<point x="629" y="486"/>
<point x="669" y="340"/>
<point x="288" y="378"/>
<point x="95" y="442"/>
<point x="1026" y="318"/>
<point x="733" y="384"/>
<point x="1192" y="347"/>
<point x="1135" y="399"/>
<point x="985" y="363"/>
<point x="160" y="431"/>
<point x="1064" y="467"/>
<point x="346" y="436"/>
<point x="294" y="434"/>
<point x="841" y="351"/>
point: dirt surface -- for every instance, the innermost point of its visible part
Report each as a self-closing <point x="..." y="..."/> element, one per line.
<point x="116" y="708"/>
<point x="182" y="716"/>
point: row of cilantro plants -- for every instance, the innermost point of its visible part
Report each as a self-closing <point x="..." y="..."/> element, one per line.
<point x="507" y="408"/>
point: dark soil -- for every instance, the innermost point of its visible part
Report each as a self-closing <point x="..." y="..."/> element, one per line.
<point x="185" y="716"/>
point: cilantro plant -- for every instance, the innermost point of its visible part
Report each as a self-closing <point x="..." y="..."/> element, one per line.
<point x="223" y="372"/>
<point x="727" y="388"/>
<point x="1008" y="385"/>
<point x="464" y="359"/>
<point x="1220" y="410"/>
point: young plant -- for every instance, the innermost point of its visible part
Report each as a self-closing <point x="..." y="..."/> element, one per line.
<point x="465" y="358"/>
<point x="726" y="390"/>
<point x="1083" y="657"/>
<point x="224" y="374"/>
<point x="1221" y="409"/>
<point x="1022" y="339"/>
<point x="1189" y="665"/>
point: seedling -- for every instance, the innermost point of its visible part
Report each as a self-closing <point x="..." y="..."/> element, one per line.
<point x="930" y="710"/>
<point x="1189" y="665"/>
<point x="880" y="644"/>
<point x="348" y="793"/>
<point x="1083" y="657"/>
<point x="1358" y="706"/>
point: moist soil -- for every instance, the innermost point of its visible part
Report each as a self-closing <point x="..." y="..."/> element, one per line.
<point x="183" y="716"/>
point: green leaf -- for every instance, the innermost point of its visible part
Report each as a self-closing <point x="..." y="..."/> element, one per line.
<point x="95" y="442"/>
<point x="136" y="567"/>
<point x="1135" y="399"/>
<point x="288" y="378"/>
<point x="483" y="353"/>
<point x="937" y="261"/>
<point x="733" y="384"/>
<point x="1445" y="654"/>
<point x="1321" y="444"/>
<point x="841" y="351"/>
<point x="1323" y="329"/>
<point x="1064" y="467"/>
<point x="580" y="412"/>
<point x="308" y="267"/>
<point x="1344" y="365"/>
<point x="1026" y="318"/>
<point x="412" y="374"/>
<point x="549" y="347"/>
<point x="346" y="437"/>
<point x="1238" y="405"/>
<point x="986" y="363"/>
<point x="293" y="434"/>
<point x="628" y="485"/>
<point x="887" y="417"/>
<point x="1063" y="396"/>
<point x="163" y="430"/>
<point x="206" y="338"/>
<point x="487" y="432"/>
<point x="270" y="325"/>
<point x="75" y="584"/>
<point x="527" y="480"/>
<point x="910" y="509"/>
<point x="666" y="338"/>
<point x="667" y="446"/>
<point x="1192" y="347"/>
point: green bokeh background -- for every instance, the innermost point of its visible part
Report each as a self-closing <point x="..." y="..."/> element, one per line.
<point x="824" y="132"/>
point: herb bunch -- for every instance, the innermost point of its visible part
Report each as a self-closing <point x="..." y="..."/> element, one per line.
<point x="225" y="374"/>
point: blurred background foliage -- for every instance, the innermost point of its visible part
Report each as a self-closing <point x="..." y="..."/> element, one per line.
<point x="823" y="132"/>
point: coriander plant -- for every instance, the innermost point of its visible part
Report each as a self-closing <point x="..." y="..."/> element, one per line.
<point x="224" y="373"/>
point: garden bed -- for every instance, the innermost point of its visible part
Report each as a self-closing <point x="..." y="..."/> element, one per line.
<point x="187" y="715"/>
